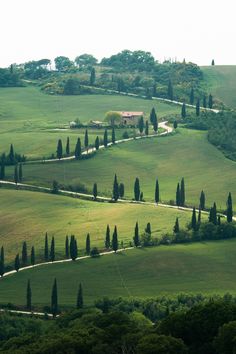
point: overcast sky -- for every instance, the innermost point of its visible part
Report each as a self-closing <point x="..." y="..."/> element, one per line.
<point x="195" y="30"/>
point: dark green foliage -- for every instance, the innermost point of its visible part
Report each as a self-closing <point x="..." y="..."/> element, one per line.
<point x="202" y="200"/>
<point x="204" y="101"/>
<point x="68" y="146"/>
<point x="153" y="115"/>
<point x="20" y="173"/>
<point x="199" y="215"/>
<point x="115" y="240"/>
<point x="46" y="252"/>
<point x="213" y="62"/>
<point x="219" y="220"/>
<point x="121" y="190"/>
<point x="11" y="155"/>
<point x="28" y="296"/>
<point x="191" y="99"/>
<point x="210" y="101"/>
<point x="115" y="194"/>
<point x="141" y="125"/>
<point x="198" y="108"/>
<point x="78" y="149"/>
<point x="107" y="239"/>
<point x="148" y="229"/>
<point x="32" y="256"/>
<point x="92" y="77"/>
<point x="52" y="250"/>
<point x="178" y="196"/>
<point x="73" y="248"/>
<point x="161" y="344"/>
<point x="155" y="125"/>
<point x="17" y="262"/>
<point x="95" y="191"/>
<point x="54" y="299"/>
<point x="67" y="249"/>
<point x="213" y="214"/>
<point x="146" y="128"/>
<point x="88" y="247"/>
<point x="80" y="298"/>
<point x="170" y="93"/>
<point x="97" y="143"/>
<point x="229" y="208"/>
<point x="175" y="125"/>
<point x="194" y="220"/>
<point x="9" y="78"/>
<point x="136" y="189"/>
<point x="105" y="138"/>
<point x="224" y="343"/>
<point x="94" y="253"/>
<point x="24" y="256"/>
<point x="59" y="149"/>
<point x="113" y="136"/>
<point x="182" y="192"/>
<point x="154" y="90"/>
<point x="136" y="235"/>
<point x="2" y="262"/>
<point x="16" y="177"/>
<point x="86" y="140"/>
<point x="157" y="192"/>
<point x="55" y="187"/>
<point x="183" y="111"/>
<point x="2" y="170"/>
<point x="176" y="226"/>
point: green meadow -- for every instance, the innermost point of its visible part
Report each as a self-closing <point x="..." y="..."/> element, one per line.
<point x="207" y="268"/>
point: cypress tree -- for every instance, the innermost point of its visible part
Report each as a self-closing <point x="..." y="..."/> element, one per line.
<point x="115" y="240"/>
<point x="24" y="256"/>
<point x="146" y="128"/>
<point x="183" y="111"/>
<point x="115" y="189"/>
<point x="17" y="262"/>
<point x="97" y="143"/>
<point x="202" y="200"/>
<point x="54" y="299"/>
<point x="16" y="179"/>
<point x="182" y="192"/>
<point x="219" y="220"/>
<point x="136" y="189"/>
<point x="88" y="247"/>
<point x="28" y="296"/>
<point x="80" y="299"/>
<point x="204" y="101"/>
<point x="141" y="125"/>
<point x="148" y="229"/>
<point x="78" y="149"/>
<point x="92" y="76"/>
<point x="210" y="101"/>
<point x="2" y="172"/>
<point x="211" y="215"/>
<point x="136" y="235"/>
<point x="155" y="124"/>
<point x="175" y="125"/>
<point x="46" y="248"/>
<point x="95" y="191"/>
<point x="121" y="190"/>
<point x="113" y="136"/>
<point x="191" y="97"/>
<point x="194" y="220"/>
<point x="198" y="108"/>
<point x="105" y="138"/>
<point x="20" y="173"/>
<point x="176" y="226"/>
<point x="11" y="155"/>
<point x="199" y="215"/>
<point x="157" y="193"/>
<point x="68" y="146"/>
<point x="229" y="208"/>
<point x="107" y="239"/>
<point x="52" y="250"/>
<point x="86" y="140"/>
<point x="2" y="262"/>
<point x="178" y="197"/>
<point x="213" y="62"/>
<point x="59" y="149"/>
<point x="67" y="251"/>
<point x="170" y="91"/>
<point x="32" y="256"/>
<point x="153" y="115"/>
<point x="214" y="214"/>
<point x="73" y="248"/>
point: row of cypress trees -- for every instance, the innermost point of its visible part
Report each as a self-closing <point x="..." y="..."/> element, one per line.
<point x="198" y="104"/>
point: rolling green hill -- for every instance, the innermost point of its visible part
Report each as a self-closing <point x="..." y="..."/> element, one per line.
<point x="200" y="268"/>
<point x="221" y="82"/>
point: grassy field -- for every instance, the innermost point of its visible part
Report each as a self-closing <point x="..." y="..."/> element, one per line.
<point x="26" y="216"/>
<point x="221" y="82"/>
<point x="187" y="154"/>
<point x="28" y="117"/>
<point x="194" y="268"/>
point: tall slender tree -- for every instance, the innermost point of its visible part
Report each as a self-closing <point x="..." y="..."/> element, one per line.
<point x="176" y="226"/>
<point x="178" y="197"/>
<point x="2" y="262"/>
<point x="146" y="128"/>
<point x="11" y="155"/>
<point x="54" y="299"/>
<point x="28" y="296"/>
<point x="155" y="124"/>
<point x="107" y="239"/>
<point x="121" y="190"/>
<point x="2" y="171"/>
<point x="46" y="252"/>
<point x="202" y="200"/>
<point x="148" y="229"/>
<point x="170" y="93"/>
<point x="24" y="256"/>
<point x="194" y="220"/>
<point x="16" y="178"/>
<point x="115" y="240"/>
<point x="136" y="235"/>
<point x="68" y="146"/>
<point x="52" y="250"/>
<point x="97" y="143"/>
<point x="204" y="103"/>
<point x="183" y="111"/>
<point x="73" y="248"/>
<point x="210" y="101"/>
<point x="213" y="214"/>
<point x="198" y="108"/>
<point x="88" y="246"/>
<point x="78" y="149"/>
<point x="153" y="115"/>
<point x="191" y="99"/>
<point x="95" y="191"/>
<point x="157" y="193"/>
<point x="141" y="125"/>
<point x="199" y="215"/>
<point x="80" y="298"/>
<point x="136" y="189"/>
<point x="113" y="135"/>
<point x="105" y="138"/>
<point x="219" y="220"/>
<point x="182" y="192"/>
<point x="115" y="193"/>
<point x="229" y="208"/>
<point x="86" y="140"/>
<point x="32" y="256"/>
<point x="92" y="77"/>
<point x="17" y="262"/>
<point x="67" y="248"/>
<point x="59" y="149"/>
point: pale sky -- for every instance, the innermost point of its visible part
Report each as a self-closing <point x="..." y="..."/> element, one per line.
<point x="195" y="30"/>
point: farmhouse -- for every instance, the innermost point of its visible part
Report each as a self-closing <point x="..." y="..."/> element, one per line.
<point x="131" y="118"/>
